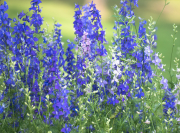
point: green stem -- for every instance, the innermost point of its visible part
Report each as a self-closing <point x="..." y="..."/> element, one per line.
<point x="161" y="11"/>
<point x="95" y="116"/>
<point x="170" y="65"/>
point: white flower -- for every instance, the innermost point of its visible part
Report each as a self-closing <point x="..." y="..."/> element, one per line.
<point x="148" y="51"/>
<point x="138" y="112"/>
<point x="178" y="119"/>
<point x="177" y="102"/>
<point x="178" y="76"/>
<point x="178" y="69"/>
<point x="119" y="54"/>
<point x="147" y="121"/>
<point x="114" y="79"/>
<point x="87" y="91"/>
<point x="154" y="131"/>
<point x="117" y="72"/>
<point x="126" y="67"/>
<point x="116" y="62"/>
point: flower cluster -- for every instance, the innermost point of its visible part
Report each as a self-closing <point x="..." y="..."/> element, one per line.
<point x="85" y="88"/>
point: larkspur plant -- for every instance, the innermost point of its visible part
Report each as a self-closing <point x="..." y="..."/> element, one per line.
<point x="89" y="90"/>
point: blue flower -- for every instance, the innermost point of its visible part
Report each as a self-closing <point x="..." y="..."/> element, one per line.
<point x="169" y="98"/>
<point x="112" y="100"/>
<point x="140" y="93"/>
<point x="36" y="2"/>
<point x="22" y="14"/>
<point x="148" y="50"/>
<point x="102" y="51"/>
<point x="91" y="128"/>
<point x="1" y="109"/>
<point x="58" y="25"/>
<point x="156" y="60"/>
<point x="4" y="7"/>
<point x="135" y="2"/>
<point x="164" y="82"/>
<point x="66" y="129"/>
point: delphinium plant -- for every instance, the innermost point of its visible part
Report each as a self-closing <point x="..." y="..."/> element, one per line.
<point x="84" y="89"/>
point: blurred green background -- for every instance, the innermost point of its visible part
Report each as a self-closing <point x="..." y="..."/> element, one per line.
<point x="63" y="12"/>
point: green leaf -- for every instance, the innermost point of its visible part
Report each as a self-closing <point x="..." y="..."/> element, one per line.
<point x="131" y="19"/>
<point x="156" y="106"/>
<point x="136" y="117"/>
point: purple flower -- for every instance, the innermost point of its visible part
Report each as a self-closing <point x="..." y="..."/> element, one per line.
<point x="1" y="109"/>
<point x="78" y="22"/>
<point x="57" y="114"/>
<point x="178" y="76"/>
<point x="36" y="20"/>
<point x="140" y="93"/>
<point x="102" y="51"/>
<point x="98" y="70"/>
<point x="26" y="19"/>
<point x="86" y="44"/>
<point x="102" y="82"/>
<point x="36" y="2"/>
<point x="14" y="20"/>
<point x="66" y="129"/>
<point x="148" y="50"/>
<point x="135" y="2"/>
<point x="161" y="67"/>
<point x="91" y="128"/>
<point x="164" y="82"/>
<point x="142" y="30"/>
<point x="178" y="119"/>
<point x="156" y="60"/>
<point x="4" y="7"/>
<point x="169" y="98"/>
<point x="101" y="36"/>
<point x="112" y="100"/>
<point x="22" y="14"/>
<point x="58" y="25"/>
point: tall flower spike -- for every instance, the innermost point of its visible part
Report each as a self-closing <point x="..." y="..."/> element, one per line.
<point x="78" y="22"/>
<point x="36" y="20"/>
<point x="86" y="44"/>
